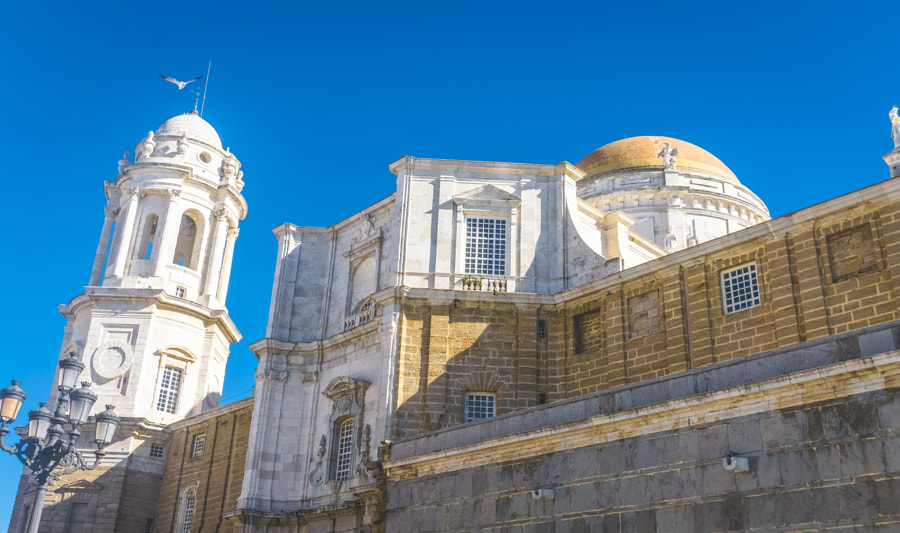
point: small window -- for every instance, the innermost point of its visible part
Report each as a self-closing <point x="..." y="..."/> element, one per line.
<point x="197" y="448"/>
<point x="156" y="450"/>
<point x="740" y="289"/>
<point x="479" y="405"/>
<point x="168" y="390"/>
<point x="486" y="246"/>
<point x="148" y="528"/>
<point x="542" y="329"/>
<point x="179" y="292"/>
<point x="344" y="450"/>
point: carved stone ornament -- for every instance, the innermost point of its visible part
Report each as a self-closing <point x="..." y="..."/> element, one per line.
<point x="181" y="147"/>
<point x="112" y="358"/>
<point x="273" y="368"/>
<point x="341" y="387"/>
<point x="668" y="155"/>
<point x="146" y="148"/>
<point x="310" y="378"/>
<point x="895" y="127"/>
<point x="124" y="162"/>
<point x="317" y="476"/>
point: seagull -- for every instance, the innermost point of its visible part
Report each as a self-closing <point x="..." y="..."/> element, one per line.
<point x="180" y="84"/>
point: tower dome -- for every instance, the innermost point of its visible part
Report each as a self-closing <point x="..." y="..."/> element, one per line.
<point x="636" y="152"/>
<point x="193" y="127"/>
<point x="679" y="193"/>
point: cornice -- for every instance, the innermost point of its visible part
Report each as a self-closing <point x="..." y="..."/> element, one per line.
<point x="155" y="297"/>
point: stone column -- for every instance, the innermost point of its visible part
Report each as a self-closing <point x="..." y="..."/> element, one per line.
<point x="168" y="233"/>
<point x="127" y="233"/>
<point x="214" y="269"/>
<point x="226" y="265"/>
<point x="102" y="246"/>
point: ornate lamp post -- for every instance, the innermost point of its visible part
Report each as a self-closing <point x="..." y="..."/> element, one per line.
<point x="48" y="444"/>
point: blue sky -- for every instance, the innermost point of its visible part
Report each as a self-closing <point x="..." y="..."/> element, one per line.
<point x="317" y="99"/>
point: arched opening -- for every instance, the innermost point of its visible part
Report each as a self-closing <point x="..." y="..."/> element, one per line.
<point x="186" y="242"/>
<point x="363" y="283"/>
<point x="148" y="237"/>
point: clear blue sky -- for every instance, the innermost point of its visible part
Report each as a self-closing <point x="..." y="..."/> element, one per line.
<point x="317" y="99"/>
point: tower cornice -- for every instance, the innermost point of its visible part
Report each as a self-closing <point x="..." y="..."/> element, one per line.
<point x="151" y="297"/>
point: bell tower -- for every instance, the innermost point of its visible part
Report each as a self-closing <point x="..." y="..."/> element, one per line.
<point x="151" y="326"/>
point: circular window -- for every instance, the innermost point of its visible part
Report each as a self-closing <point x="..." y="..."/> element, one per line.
<point x="205" y="157"/>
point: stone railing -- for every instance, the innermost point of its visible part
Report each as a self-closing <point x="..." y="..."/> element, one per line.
<point x="474" y="282"/>
<point x="365" y="315"/>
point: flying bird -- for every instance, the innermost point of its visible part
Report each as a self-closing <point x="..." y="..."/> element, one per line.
<point x="180" y="84"/>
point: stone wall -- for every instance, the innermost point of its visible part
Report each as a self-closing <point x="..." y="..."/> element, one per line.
<point x="217" y="473"/>
<point x="819" y="424"/>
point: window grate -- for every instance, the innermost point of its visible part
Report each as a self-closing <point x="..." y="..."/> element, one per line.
<point x="156" y="450"/>
<point x="740" y="289"/>
<point x="168" y="390"/>
<point x="479" y="406"/>
<point x="486" y="246"/>
<point x="189" y="506"/>
<point x="344" y="449"/>
<point x="197" y="449"/>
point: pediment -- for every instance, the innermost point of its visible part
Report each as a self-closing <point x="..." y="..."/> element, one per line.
<point x="346" y="386"/>
<point x="487" y="196"/>
<point x="180" y="353"/>
<point x="80" y="486"/>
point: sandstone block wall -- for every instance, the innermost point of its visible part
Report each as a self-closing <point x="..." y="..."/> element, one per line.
<point x="819" y="424"/>
<point x="217" y="473"/>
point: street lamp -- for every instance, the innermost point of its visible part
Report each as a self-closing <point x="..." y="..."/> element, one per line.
<point x="48" y="444"/>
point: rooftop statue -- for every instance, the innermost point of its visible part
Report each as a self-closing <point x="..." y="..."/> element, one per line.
<point x="668" y="154"/>
<point x="895" y="127"/>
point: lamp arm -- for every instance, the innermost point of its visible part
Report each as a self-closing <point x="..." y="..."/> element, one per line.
<point x="4" y="431"/>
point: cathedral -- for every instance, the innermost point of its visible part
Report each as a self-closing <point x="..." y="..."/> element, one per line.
<point x="625" y="344"/>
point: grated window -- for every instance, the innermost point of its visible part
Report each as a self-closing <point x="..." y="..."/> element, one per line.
<point x="486" y="246"/>
<point x="479" y="405"/>
<point x="156" y="450"/>
<point x="189" y="506"/>
<point x="168" y="390"/>
<point x="344" y="450"/>
<point x="740" y="289"/>
<point x="197" y="449"/>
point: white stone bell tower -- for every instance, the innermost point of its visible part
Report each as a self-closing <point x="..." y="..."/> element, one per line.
<point x="151" y="326"/>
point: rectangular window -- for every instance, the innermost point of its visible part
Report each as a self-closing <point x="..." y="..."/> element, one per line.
<point x="197" y="448"/>
<point x="168" y="390"/>
<point x="486" y="246"/>
<point x="148" y="528"/>
<point x="740" y="289"/>
<point x="179" y="292"/>
<point x="344" y="450"/>
<point x="189" y="505"/>
<point x="479" y="405"/>
<point x="156" y="450"/>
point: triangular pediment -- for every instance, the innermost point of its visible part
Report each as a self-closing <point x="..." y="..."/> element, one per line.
<point x="487" y="196"/>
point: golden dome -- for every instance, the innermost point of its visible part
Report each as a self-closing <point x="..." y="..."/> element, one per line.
<point x="644" y="152"/>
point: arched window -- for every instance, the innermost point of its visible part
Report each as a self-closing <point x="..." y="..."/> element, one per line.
<point x="148" y="237"/>
<point x="184" y="246"/>
<point x="187" y="509"/>
<point x="343" y="441"/>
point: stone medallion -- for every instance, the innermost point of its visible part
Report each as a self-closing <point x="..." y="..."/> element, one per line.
<point x="112" y="358"/>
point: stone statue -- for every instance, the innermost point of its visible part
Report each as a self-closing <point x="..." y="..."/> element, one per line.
<point x="124" y="162"/>
<point x="668" y="154"/>
<point x="895" y="127"/>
